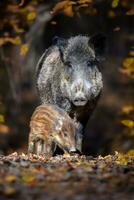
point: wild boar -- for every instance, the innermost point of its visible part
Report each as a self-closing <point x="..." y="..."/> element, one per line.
<point x="69" y="75"/>
<point x="51" y="126"/>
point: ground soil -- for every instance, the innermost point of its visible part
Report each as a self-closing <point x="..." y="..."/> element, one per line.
<point x="64" y="177"/>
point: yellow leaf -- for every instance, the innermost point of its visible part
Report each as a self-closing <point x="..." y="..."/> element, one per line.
<point x="2" y="41"/>
<point x="122" y="159"/>
<point x="111" y="14"/>
<point x="28" y="178"/>
<point x="131" y="132"/>
<point x="60" y="5"/>
<point x="128" y="123"/>
<point x="31" y="16"/>
<point x="130" y="152"/>
<point x="124" y="3"/>
<point x="69" y="11"/>
<point x="17" y="29"/>
<point x="128" y="67"/>
<point x="4" y="129"/>
<point x="84" y="1"/>
<point x="131" y="53"/>
<point x="9" y="191"/>
<point x="128" y="63"/>
<point x="2" y="118"/>
<point x="115" y="3"/>
<point x="10" y="178"/>
<point x="127" y="109"/>
<point x="16" y="40"/>
<point x="15" y="26"/>
<point x="24" y="49"/>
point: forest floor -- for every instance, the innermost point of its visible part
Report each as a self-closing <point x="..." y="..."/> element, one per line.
<point x="67" y="177"/>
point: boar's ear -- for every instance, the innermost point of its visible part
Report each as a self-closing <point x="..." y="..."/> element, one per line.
<point x="59" y="42"/>
<point x="99" y="43"/>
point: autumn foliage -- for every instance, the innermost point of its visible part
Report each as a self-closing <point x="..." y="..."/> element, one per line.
<point x="17" y="19"/>
<point x="107" y="168"/>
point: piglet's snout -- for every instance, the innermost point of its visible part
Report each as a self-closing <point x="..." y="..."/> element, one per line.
<point x="72" y="150"/>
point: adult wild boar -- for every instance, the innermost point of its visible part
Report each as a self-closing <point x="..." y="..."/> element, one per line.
<point x="68" y="75"/>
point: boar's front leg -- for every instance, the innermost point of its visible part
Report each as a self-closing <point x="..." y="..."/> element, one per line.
<point x="79" y="137"/>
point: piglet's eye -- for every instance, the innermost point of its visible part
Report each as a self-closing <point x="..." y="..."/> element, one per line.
<point x="65" y="134"/>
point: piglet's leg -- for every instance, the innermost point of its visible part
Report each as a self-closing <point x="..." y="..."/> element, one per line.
<point x="31" y="147"/>
<point x="49" y="148"/>
<point x="39" y="147"/>
<point x="31" y="143"/>
<point x="35" y="143"/>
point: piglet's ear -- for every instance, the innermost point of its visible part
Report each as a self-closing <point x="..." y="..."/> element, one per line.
<point x="98" y="41"/>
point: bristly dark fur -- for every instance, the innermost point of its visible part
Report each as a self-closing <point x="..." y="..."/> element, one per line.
<point x="69" y="76"/>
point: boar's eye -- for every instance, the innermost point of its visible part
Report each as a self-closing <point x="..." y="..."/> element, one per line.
<point x="91" y="63"/>
<point x="68" y="63"/>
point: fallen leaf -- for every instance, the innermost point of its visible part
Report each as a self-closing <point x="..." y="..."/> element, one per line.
<point x="130" y="12"/>
<point x="111" y="14"/>
<point x="60" y="5"/>
<point x="84" y="1"/>
<point x="122" y="159"/>
<point x="21" y="3"/>
<point x="2" y="118"/>
<point x="128" y="123"/>
<point x="115" y="3"/>
<point x="128" y="63"/>
<point x="69" y="11"/>
<point x="28" y="179"/>
<point x="15" y="41"/>
<point x="24" y="49"/>
<point x="31" y="16"/>
<point x="4" y="129"/>
<point x="9" y="191"/>
<point x="10" y="178"/>
<point x="131" y="53"/>
<point x="116" y="29"/>
<point x="53" y="22"/>
<point x="128" y="109"/>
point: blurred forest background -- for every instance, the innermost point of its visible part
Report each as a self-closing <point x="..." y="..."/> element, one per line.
<point x="26" y="30"/>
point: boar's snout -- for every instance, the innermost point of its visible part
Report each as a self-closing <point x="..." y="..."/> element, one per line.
<point x="81" y="90"/>
<point x="79" y="101"/>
